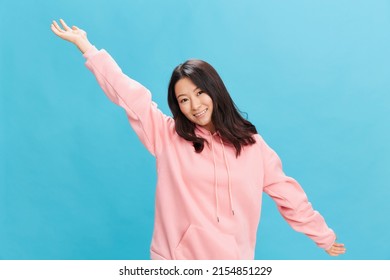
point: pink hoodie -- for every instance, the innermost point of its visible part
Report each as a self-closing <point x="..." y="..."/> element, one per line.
<point x="208" y="204"/>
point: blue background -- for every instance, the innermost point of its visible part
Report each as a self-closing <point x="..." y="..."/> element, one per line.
<point x="313" y="76"/>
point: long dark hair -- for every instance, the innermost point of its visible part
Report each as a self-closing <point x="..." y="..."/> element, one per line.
<point x="226" y="117"/>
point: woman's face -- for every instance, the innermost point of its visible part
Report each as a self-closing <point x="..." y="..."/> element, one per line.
<point x="194" y="103"/>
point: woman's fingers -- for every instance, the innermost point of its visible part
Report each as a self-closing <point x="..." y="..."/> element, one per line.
<point x="66" y="33"/>
<point x="66" y="27"/>
<point x="56" y="31"/>
<point x="57" y="27"/>
<point x="336" y="249"/>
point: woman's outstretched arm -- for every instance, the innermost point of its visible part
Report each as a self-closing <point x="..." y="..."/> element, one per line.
<point x="294" y="206"/>
<point x="150" y="124"/>
<point x="74" y="35"/>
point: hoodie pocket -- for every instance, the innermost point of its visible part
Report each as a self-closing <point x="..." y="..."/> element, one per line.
<point x="201" y="244"/>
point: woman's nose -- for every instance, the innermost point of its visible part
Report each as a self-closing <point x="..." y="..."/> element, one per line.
<point x="195" y="104"/>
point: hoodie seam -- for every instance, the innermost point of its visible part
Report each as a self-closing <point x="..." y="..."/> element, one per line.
<point x="123" y="100"/>
<point x="271" y="193"/>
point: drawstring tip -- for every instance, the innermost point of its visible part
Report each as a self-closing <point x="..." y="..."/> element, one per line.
<point x="218" y="219"/>
<point x="233" y="212"/>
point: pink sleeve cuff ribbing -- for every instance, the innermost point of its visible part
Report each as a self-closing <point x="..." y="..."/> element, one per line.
<point x="90" y="52"/>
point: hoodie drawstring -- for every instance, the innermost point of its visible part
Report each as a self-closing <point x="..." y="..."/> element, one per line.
<point x="216" y="177"/>
<point x="229" y="183"/>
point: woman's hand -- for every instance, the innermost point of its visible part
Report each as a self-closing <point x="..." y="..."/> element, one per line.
<point x="336" y="249"/>
<point x="74" y="35"/>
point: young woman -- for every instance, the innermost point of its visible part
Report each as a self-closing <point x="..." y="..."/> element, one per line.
<point x="212" y="165"/>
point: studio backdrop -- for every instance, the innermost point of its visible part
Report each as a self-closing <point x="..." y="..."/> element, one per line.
<point x="313" y="76"/>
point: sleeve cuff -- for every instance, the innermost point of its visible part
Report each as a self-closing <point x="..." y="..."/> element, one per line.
<point x="329" y="245"/>
<point x="90" y="52"/>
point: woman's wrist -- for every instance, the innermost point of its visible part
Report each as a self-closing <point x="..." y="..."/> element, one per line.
<point x="83" y="45"/>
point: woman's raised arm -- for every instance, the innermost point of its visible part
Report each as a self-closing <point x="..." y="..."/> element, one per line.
<point x="151" y="125"/>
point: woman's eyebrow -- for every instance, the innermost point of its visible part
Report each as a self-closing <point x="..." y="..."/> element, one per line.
<point x="183" y="94"/>
<point x="180" y="95"/>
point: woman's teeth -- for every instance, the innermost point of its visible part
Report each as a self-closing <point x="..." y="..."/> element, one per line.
<point x="201" y="113"/>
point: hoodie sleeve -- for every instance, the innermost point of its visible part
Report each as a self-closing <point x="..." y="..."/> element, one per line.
<point x="292" y="201"/>
<point x="148" y="122"/>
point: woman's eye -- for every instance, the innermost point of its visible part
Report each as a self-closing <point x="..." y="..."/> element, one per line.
<point x="200" y="92"/>
<point x="183" y="100"/>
